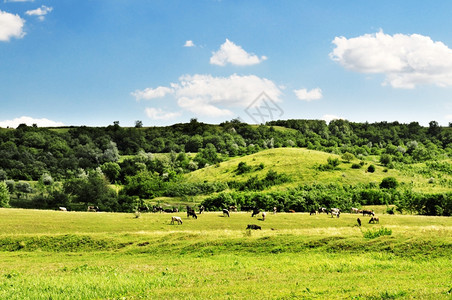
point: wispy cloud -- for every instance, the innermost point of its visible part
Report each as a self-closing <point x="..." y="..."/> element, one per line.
<point x="406" y="60"/>
<point x="159" y="114"/>
<point x="150" y="93"/>
<point x="235" y="55"/>
<point x="29" y="121"/>
<point x="11" y="26"/>
<point x="305" y="95"/>
<point x="329" y="118"/>
<point x="40" y="12"/>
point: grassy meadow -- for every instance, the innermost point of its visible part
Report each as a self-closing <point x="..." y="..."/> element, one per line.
<point x="81" y="255"/>
<point x="300" y="164"/>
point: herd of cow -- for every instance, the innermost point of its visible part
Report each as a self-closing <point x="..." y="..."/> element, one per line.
<point x="335" y="212"/>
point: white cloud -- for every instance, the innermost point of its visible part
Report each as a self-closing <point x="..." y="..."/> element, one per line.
<point x="189" y="43"/>
<point x="234" y="54"/>
<point x="212" y="96"/>
<point x="304" y="94"/>
<point x="159" y="114"/>
<point x="448" y="118"/>
<point x="39" y="12"/>
<point x="11" y="26"/>
<point x="29" y="121"/>
<point x="149" y="93"/>
<point x="329" y="118"/>
<point x="406" y="60"/>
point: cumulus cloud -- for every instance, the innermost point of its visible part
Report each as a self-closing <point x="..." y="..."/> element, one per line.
<point x="29" y="121"/>
<point x="39" y="12"/>
<point x="11" y="26"/>
<point x="304" y="94"/>
<point x="234" y="54"/>
<point x="149" y="93"/>
<point x="189" y="43"/>
<point x="329" y="118"/>
<point x="406" y="60"/>
<point x="159" y="114"/>
<point x="213" y="96"/>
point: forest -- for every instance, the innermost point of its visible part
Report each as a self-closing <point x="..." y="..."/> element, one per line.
<point x="120" y="168"/>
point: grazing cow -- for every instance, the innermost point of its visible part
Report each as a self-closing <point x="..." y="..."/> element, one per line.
<point x="93" y="208"/>
<point x="354" y="210"/>
<point x="62" y="208"/>
<point x="201" y="209"/>
<point x="368" y="212"/>
<point x="264" y="214"/>
<point x="233" y="208"/>
<point x="157" y="209"/>
<point x="225" y="212"/>
<point x="312" y="212"/>
<point x="323" y="210"/>
<point x="256" y="211"/>
<point x="291" y="211"/>
<point x="274" y="210"/>
<point x="254" y="227"/>
<point x="168" y="210"/>
<point x="374" y="220"/>
<point x="335" y="213"/>
<point x="335" y="210"/>
<point x="359" y="222"/>
<point x="191" y="212"/>
<point x="176" y="219"/>
<point x="143" y="208"/>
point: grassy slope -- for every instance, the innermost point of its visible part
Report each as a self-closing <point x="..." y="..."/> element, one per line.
<point x="68" y="255"/>
<point x="300" y="164"/>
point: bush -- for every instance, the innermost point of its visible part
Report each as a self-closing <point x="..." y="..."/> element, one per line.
<point x="389" y="183"/>
<point x="372" y="234"/>
<point x="356" y="166"/>
<point x="371" y="169"/>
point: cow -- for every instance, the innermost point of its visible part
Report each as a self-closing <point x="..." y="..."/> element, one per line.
<point x="191" y="213"/>
<point x="312" y="212"/>
<point x="323" y="210"/>
<point x="143" y="208"/>
<point x="93" y="208"/>
<point x="359" y="222"/>
<point x="233" y="208"/>
<point x="256" y="211"/>
<point x="335" y="213"/>
<point x="374" y="220"/>
<point x="353" y="210"/>
<point x="254" y="227"/>
<point x="274" y="210"/>
<point x="201" y="209"/>
<point x="264" y="214"/>
<point x="225" y="212"/>
<point x="176" y="219"/>
<point x="157" y="209"/>
<point x="291" y="211"/>
<point x="368" y="212"/>
<point x="62" y="208"/>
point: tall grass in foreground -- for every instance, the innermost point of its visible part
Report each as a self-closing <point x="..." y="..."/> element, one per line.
<point x="374" y="233"/>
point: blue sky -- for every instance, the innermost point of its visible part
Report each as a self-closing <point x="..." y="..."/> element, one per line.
<point x="164" y="62"/>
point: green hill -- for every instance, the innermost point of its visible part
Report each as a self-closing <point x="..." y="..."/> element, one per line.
<point x="302" y="166"/>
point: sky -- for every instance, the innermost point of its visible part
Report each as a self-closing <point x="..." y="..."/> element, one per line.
<point x="95" y="62"/>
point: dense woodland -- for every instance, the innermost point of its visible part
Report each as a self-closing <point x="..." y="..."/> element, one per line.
<point x="76" y="165"/>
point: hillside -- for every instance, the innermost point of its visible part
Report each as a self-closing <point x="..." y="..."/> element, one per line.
<point x="301" y="165"/>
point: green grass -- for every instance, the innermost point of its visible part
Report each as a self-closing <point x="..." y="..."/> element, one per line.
<point x="81" y="255"/>
<point x="300" y="165"/>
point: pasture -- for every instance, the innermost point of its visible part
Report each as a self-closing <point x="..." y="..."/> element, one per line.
<point x="81" y="255"/>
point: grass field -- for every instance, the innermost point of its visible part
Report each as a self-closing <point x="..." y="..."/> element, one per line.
<point x="300" y="164"/>
<point x="80" y="255"/>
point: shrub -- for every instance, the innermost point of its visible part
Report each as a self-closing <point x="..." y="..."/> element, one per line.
<point x="389" y="183"/>
<point x="372" y="234"/>
<point x="356" y="166"/>
<point x="371" y="169"/>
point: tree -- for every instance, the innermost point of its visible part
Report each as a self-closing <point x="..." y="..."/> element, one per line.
<point x="4" y="195"/>
<point x="138" y="124"/>
<point x="111" y="170"/>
